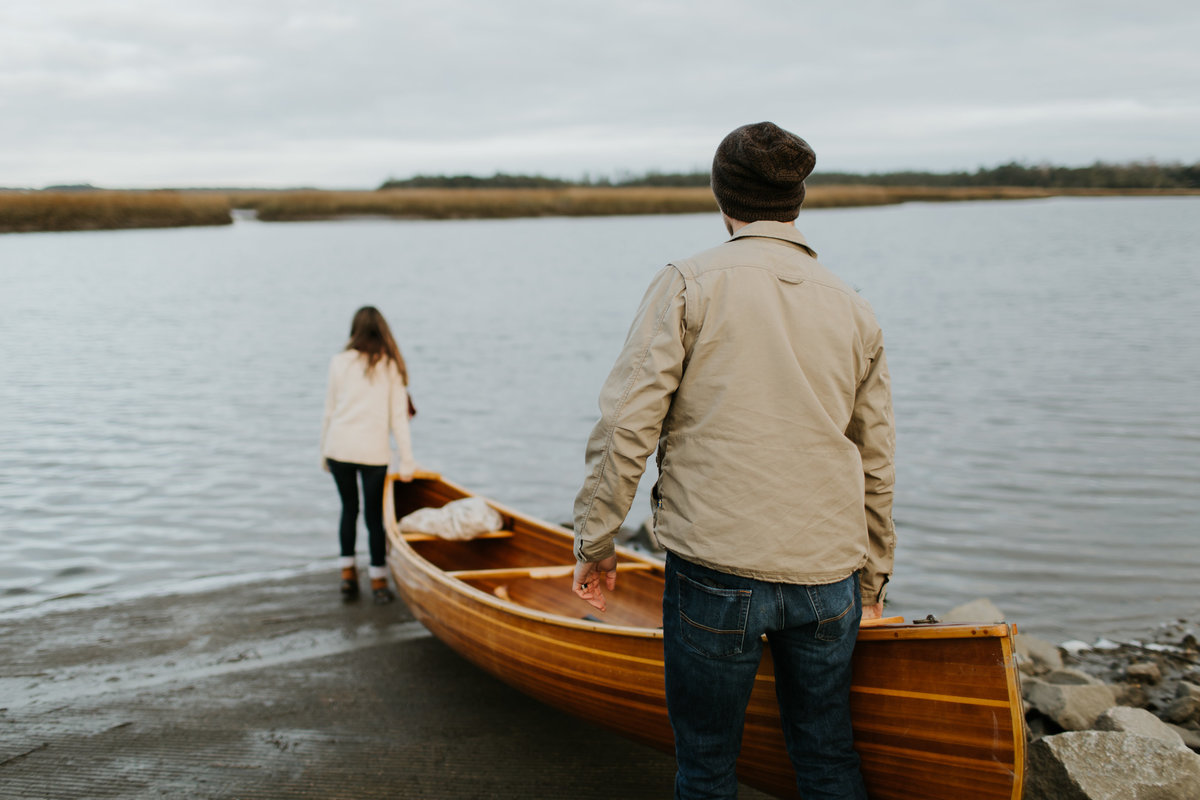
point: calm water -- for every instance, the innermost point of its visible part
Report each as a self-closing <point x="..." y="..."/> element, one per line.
<point x="161" y="391"/>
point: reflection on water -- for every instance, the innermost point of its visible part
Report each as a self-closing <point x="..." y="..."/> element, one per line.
<point x="161" y="391"/>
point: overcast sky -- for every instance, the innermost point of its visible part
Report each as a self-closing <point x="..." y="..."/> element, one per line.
<point x="138" y="93"/>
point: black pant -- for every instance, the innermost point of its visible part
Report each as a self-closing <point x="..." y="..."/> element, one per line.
<point x="373" y="480"/>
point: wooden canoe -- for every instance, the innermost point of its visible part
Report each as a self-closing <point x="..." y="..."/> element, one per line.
<point x="936" y="707"/>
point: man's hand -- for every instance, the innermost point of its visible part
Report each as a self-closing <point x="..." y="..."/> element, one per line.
<point x="589" y="574"/>
<point x="873" y="611"/>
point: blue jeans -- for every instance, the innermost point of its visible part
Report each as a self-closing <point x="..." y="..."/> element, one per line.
<point x="713" y="624"/>
<point x="345" y="476"/>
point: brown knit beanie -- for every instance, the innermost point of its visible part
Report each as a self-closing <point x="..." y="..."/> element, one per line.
<point x="759" y="171"/>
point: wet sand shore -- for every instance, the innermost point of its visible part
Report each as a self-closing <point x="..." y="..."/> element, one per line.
<point x="276" y="689"/>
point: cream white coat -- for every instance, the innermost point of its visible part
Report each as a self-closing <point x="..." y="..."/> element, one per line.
<point x="362" y="409"/>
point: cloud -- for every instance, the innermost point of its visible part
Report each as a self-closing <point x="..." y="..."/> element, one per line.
<point x="149" y="92"/>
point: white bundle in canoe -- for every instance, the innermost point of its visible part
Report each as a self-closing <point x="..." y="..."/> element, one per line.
<point x="460" y="519"/>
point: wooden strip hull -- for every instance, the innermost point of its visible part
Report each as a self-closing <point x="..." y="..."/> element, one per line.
<point x="936" y="708"/>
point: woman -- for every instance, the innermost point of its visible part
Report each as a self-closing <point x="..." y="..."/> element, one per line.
<point x="367" y="399"/>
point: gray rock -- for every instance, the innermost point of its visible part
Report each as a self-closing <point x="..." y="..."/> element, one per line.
<point x="1105" y="765"/>
<point x="980" y="611"/>
<point x="1183" y="710"/>
<point x="1038" y="725"/>
<point x="1041" y="654"/>
<point x="1074" y="708"/>
<point x="1137" y="721"/>
<point x="1190" y="737"/>
<point x="1071" y="676"/>
<point x="1187" y="689"/>
<point x="1131" y="694"/>
<point x="1144" y="672"/>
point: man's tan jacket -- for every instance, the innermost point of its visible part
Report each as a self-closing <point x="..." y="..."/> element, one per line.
<point x="761" y="379"/>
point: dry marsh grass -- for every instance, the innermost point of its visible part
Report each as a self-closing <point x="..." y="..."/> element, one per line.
<point x="93" y="210"/>
<point x="106" y="210"/>
<point x="477" y="203"/>
<point x="841" y="196"/>
<point x="580" y="201"/>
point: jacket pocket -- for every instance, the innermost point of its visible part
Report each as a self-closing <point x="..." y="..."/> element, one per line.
<point x="713" y="618"/>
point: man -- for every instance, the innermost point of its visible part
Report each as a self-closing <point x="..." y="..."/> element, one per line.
<point x="760" y="377"/>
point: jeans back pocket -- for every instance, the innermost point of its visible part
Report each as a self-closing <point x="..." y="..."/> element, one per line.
<point x="834" y="605"/>
<point x="713" y="618"/>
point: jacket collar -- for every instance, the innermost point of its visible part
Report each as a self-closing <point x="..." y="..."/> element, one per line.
<point x="769" y="229"/>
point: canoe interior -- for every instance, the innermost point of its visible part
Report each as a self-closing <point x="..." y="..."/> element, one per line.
<point x="533" y="544"/>
<point x="936" y="708"/>
<point x="548" y="596"/>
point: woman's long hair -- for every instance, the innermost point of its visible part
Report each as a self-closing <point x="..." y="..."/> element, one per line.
<point x="371" y="336"/>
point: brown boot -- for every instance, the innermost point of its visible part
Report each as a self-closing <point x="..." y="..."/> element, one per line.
<point x="383" y="595"/>
<point x="349" y="583"/>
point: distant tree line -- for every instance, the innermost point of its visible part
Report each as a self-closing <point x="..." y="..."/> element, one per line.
<point x="1136" y="175"/>
<point x="500" y="180"/>
<point x="1100" y="175"/>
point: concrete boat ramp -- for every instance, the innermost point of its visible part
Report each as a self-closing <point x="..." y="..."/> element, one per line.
<point x="274" y="688"/>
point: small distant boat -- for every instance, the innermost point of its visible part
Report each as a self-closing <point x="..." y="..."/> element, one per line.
<point x="936" y="707"/>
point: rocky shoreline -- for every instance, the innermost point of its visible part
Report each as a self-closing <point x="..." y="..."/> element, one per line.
<point x="1108" y="720"/>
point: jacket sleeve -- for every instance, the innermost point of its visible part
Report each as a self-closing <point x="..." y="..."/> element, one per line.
<point x="330" y="401"/>
<point x="398" y="421"/>
<point x="633" y="403"/>
<point x="873" y="430"/>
